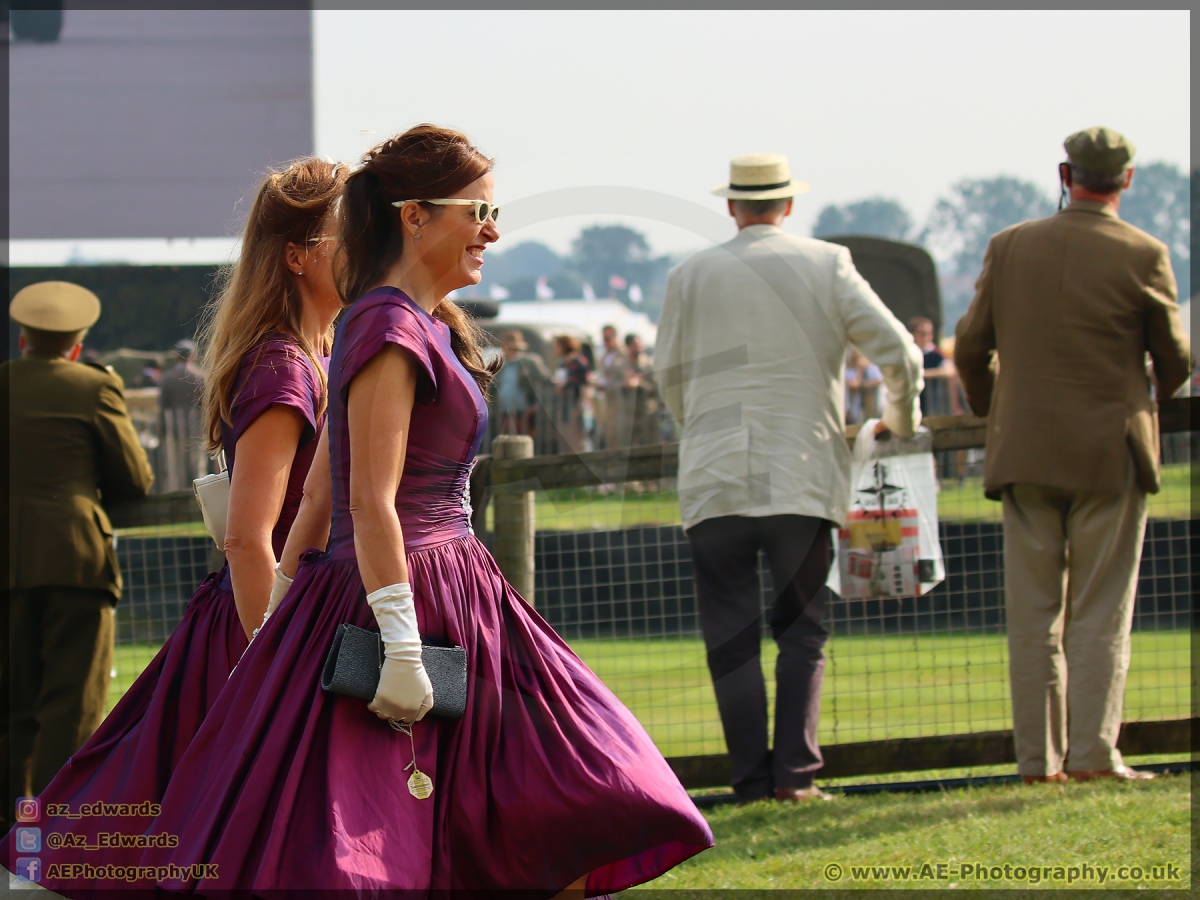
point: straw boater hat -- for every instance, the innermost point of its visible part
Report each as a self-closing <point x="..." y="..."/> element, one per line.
<point x="55" y="306"/>
<point x="760" y="176"/>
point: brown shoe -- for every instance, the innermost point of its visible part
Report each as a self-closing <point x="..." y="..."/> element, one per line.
<point x="1056" y="778"/>
<point x="800" y="795"/>
<point x="1122" y="774"/>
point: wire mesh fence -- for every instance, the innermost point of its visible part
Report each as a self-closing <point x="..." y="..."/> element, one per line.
<point x="614" y="577"/>
<point x="612" y="574"/>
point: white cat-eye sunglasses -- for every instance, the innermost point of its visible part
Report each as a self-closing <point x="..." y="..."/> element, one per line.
<point x="483" y="209"/>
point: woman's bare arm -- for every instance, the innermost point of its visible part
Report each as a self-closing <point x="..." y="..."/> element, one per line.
<point x="265" y="452"/>
<point x="311" y="528"/>
<point x="379" y="413"/>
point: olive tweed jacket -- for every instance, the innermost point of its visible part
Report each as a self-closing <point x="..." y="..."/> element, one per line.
<point x="1071" y="305"/>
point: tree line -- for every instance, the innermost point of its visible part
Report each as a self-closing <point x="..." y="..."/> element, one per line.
<point x="151" y="307"/>
<point x="955" y="232"/>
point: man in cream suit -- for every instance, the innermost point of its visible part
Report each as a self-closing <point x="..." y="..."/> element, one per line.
<point x="1070" y="306"/>
<point x="750" y="358"/>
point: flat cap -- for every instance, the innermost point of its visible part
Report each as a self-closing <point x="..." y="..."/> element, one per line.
<point x="55" y="306"/>
<point x="1100" y="150"/>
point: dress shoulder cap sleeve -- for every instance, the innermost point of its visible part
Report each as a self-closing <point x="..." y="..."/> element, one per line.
<point x="275" y="373"/>
<point x="385" y="317"/>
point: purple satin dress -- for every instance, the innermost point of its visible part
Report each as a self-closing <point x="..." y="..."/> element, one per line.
<point x="134" y="752"/>
<point x="547" y="778"/>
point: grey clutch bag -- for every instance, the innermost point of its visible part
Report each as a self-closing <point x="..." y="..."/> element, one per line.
<point x="356" y="656"/>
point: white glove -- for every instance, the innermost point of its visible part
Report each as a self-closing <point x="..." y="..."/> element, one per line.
<point x="404" y="691"/>
<point x="278" y="590"/>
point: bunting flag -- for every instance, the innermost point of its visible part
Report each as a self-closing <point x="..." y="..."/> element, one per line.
<point x="617" y="283"/>
<point x="635" y="294"/>
<point x="588" y="294"/>
<point x="496" y="292"/>
<point x="544" y="291"/>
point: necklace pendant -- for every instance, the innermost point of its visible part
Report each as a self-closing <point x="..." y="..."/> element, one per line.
<point x="420" y="785"/>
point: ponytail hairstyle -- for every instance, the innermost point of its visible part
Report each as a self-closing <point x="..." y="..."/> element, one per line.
<point x="256" y="295"/>
<point x="424" y="163"/>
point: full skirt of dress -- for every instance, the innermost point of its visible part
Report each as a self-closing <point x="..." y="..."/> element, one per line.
<point x="547" y="777"/>
<point x="127" y="763"/>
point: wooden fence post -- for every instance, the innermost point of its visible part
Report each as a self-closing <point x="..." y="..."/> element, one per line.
<point x="514" y="519"/>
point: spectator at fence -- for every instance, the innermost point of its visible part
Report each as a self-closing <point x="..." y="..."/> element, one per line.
<point x="864" y="388"/>
<point x="181" y="448"/>
<point x="639" y="395"/>
<point x="751" y="350"/>
<point x="935" y="398"/>
<point x="519" y="384"/>
<point x="1070" y="305"/>
<point x="609" y="376"/>
<point x="71" y="443"/>
<point x="571" y="379"/>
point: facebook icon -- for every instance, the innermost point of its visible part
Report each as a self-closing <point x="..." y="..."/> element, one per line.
<point x="29" y="869"/>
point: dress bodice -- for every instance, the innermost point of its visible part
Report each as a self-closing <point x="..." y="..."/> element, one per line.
<point x="276" y="372"/>
<point x="448" y="421"/>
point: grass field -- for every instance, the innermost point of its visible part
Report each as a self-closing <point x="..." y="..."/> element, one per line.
<point x="580" y="509"/>
<point x="1102" y="824"/>
<point x="875" y="687"/>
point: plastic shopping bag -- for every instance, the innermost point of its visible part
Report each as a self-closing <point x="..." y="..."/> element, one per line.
<point x="889" y="546"/>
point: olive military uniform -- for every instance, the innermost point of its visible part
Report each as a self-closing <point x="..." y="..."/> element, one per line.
<point x="71" y="444"/>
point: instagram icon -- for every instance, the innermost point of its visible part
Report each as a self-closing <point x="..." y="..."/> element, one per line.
<point x="28" y="809"/>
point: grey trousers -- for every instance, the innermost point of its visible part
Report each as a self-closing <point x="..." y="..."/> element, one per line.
<point x="1070" y="575"/>
<point x="725" y="562"/>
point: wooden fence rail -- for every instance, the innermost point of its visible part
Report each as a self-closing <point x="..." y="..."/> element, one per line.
<point x="611" y="467"/>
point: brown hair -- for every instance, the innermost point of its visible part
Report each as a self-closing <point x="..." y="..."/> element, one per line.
<point x="256" y="296"/>
<point x="425" y="162"/>
<point x="567" y="344"/>
<point x="917" y="321"/>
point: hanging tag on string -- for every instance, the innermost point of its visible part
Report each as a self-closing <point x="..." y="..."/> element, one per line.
<point x="420" y="785"/>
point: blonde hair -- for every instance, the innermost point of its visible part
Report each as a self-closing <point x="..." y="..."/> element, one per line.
<point x="256" y="296"/>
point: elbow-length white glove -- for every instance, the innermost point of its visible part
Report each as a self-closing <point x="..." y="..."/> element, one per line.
<point x="404" y="691"/>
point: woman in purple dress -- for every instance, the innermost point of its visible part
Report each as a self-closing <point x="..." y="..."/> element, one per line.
<point x="548" y="783"/>
<point x="264" y="343"/>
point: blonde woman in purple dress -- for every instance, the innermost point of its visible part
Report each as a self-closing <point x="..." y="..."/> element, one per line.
<point x="265" y="343"/>
<point x="547" y="784"/>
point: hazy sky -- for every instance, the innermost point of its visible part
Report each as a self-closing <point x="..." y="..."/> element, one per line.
<point x="655" y="103"/>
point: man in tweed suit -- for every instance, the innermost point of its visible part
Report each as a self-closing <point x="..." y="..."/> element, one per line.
<point x="1053" y="351"/>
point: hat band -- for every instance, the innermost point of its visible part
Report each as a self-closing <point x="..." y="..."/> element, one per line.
<point x="760" y="187"/>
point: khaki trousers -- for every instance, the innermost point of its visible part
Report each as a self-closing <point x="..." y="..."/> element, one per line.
<point x="1070" y="574"/>
<point x="57" y="655"/>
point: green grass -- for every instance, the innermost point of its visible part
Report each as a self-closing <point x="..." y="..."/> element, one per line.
<point x="771" y="845"/>
<point x="875" y="687"/>
<point x="583" y="509"/>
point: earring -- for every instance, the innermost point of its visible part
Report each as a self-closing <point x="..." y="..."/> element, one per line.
<point x="298" y="272"/>
<point x="417" y="235"/>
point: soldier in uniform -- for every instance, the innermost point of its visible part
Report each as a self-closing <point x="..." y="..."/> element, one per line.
<point x="71" y="446"/>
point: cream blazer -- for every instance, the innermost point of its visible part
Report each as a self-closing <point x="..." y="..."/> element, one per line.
<point x="750" y="360"/>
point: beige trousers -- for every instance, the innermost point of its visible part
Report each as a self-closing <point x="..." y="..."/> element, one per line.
<point x="1070" y="573"/>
